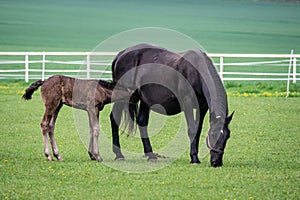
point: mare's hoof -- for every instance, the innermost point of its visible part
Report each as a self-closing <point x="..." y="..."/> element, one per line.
<point x="195" y="163"/>
<point x="195" y="160"/>
<point x="119" y="159"/>
<point x="153" y="159"/>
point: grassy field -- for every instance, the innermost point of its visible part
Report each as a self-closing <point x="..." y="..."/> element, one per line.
<point x="261" y="159"/>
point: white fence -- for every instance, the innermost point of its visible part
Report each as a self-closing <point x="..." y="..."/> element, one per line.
<point x="20" y="67"/>
<point x="232" y="67"/>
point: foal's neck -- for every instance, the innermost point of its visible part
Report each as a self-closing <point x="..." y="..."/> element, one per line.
<point x="113" y="93"/>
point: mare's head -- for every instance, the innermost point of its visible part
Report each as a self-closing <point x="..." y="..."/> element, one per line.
<point x="216" y="154"/>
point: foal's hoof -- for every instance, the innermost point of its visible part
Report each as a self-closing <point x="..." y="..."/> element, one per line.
<point x="50" y="159"/>
<point x="97" y="157"/>
<point x="59" y="158"/>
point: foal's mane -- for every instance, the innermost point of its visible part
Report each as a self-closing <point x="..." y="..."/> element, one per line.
<point x="106" y="84"/>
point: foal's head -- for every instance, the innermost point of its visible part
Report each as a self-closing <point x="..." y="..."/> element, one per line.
<point x="216" y="154"/>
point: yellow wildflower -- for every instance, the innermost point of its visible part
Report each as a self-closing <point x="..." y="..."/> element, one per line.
<point x="268" y="94"/>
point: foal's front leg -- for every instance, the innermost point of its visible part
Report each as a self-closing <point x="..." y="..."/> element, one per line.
<point x="94" y="134"/>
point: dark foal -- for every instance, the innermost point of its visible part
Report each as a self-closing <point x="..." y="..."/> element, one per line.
<point x="89" y="95"/>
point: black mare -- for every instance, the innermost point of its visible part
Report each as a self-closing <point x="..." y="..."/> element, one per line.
<point x="178" y="82"/>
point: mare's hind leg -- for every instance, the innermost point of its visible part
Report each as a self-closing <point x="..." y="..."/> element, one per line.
<point x="142" y="121"/>
<point x="51" y="133"/>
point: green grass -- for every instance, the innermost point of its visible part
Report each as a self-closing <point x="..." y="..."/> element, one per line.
<point x="261" y="160"/>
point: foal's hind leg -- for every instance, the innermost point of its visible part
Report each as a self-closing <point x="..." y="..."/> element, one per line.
<point x="51" y="133"/>
<point x="45" y="131"/>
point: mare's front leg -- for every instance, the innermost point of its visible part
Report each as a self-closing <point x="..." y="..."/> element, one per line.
<point x="115" y="120"/>
<point x="194" y="149"/>
<point x="193" y="133"/>
<point x="94" y="134"/>
<point x="142" y="121"/>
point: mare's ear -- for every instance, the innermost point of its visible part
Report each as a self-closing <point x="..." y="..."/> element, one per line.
<point x="228" y="119"/>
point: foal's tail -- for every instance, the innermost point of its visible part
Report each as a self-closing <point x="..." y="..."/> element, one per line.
<point x="32" y="88"/>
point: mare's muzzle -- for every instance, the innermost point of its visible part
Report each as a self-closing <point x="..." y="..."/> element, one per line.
<point x="216" y="158"/>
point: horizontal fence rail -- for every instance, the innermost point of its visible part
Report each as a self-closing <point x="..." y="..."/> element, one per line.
<point x="95" y="65"/>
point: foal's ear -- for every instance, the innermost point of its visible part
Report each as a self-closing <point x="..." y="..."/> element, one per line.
<point x="228" y="119"/>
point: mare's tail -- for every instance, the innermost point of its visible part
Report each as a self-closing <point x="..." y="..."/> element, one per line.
<point x="32" y="88"/>
<point x="128" y="118"/>
<point x="133" y="108"/>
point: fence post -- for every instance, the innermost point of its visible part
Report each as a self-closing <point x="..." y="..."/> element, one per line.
<point x="88" y="67"/>
<point x="43" y="66"/>
<point x="221" y="68"/>
<point x="289" y="75"/>
<point x="26" y="68"/>
<point x="294" y="70"/>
